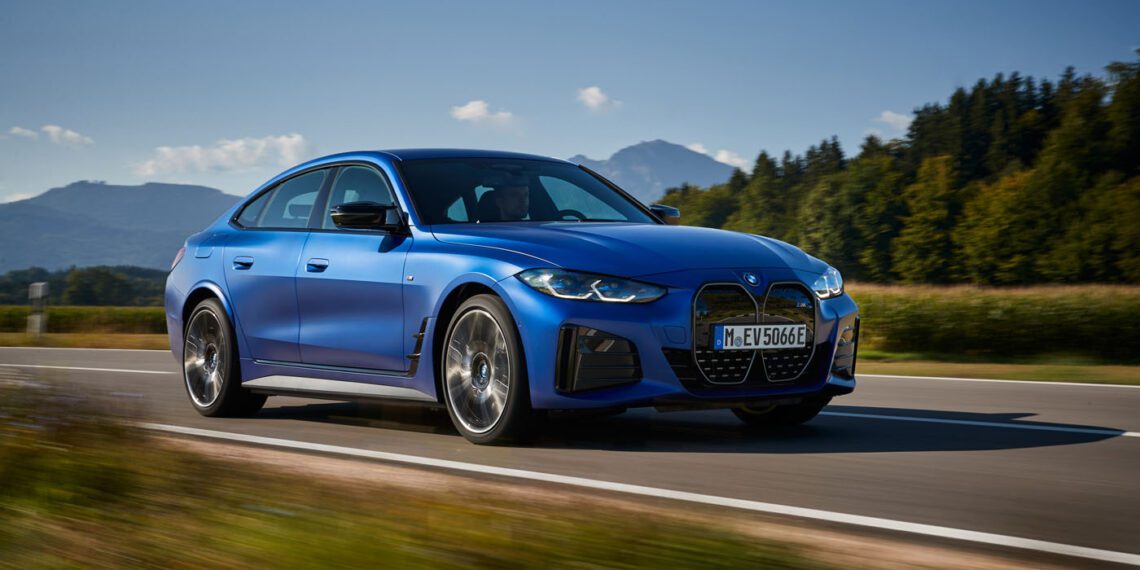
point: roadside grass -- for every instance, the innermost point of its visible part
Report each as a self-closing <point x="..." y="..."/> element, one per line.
<point x="1060" y="368"/>
<point x="1093" y="374"/>
<point x="79" y="488"/>
<point x="87" y="340"/>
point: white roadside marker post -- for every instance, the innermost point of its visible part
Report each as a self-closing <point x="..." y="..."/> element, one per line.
<point x="37" y="320"/>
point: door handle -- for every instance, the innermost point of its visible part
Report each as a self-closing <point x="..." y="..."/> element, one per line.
<point x="316" y="265"/>
<point x="243" y="262"/>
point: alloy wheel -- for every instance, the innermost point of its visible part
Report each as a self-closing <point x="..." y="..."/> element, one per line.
<point x="204" y="358"/>
<point x="477" y="371"/>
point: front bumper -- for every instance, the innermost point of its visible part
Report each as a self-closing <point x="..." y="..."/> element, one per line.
<point x="661" y="334"/>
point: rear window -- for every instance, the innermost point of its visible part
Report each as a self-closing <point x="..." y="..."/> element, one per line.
<point x="287" y="206"/>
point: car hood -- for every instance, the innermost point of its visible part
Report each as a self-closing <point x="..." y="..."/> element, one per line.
<point x="630" y="250"/>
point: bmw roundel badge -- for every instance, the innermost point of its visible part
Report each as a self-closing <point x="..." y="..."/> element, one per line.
<point x="751" y="279"/>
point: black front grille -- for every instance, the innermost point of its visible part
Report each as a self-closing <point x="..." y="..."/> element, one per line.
<point x="722" y="305"/>
<point x="788" y="303"/>
<point x="703" y="368"/>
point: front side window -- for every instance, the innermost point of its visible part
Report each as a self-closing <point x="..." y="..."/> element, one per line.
<point x="491" y="190"/>
<point x="356" y="184"/>
<point x="287" y="206"/>
<point x="573" y="201"/>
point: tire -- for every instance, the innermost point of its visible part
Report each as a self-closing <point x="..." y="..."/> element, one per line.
<point x="210" y="368"/>
<point x="782" y="416"/>
<point x="483" y="373"/>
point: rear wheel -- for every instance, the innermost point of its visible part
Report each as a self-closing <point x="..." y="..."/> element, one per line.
<point x="210" y="365"/>
<point x="781" y="416"/>
<point x="483" y="375"/>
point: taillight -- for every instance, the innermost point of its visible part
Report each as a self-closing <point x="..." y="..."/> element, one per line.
<point x="178" y="257"/>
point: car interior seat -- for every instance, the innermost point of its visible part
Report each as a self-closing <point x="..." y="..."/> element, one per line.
<point x="487" y="210"/>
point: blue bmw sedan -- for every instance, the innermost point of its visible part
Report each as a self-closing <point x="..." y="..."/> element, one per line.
<point x="500" y="286"/>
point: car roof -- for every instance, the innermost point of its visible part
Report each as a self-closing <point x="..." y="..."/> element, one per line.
<point x="420" y="153"/>
<point x="400" y="155"/>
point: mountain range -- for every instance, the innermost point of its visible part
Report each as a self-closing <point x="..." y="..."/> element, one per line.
<point x="93" y="223"/>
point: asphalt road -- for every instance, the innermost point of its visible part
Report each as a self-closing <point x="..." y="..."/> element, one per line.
<point x="1058" y="463"/>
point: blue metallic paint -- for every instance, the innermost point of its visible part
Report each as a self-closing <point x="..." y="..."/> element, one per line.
<point x="350" y="314"/>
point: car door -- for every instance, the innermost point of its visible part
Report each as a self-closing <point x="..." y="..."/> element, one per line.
<point x="261" y="265"/>
<point x="350" y="283"/>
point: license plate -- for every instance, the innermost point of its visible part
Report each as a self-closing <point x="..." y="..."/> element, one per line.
<point x="752" y="337"/>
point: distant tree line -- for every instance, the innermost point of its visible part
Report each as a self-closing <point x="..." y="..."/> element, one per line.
<point x="1013" y="181"/>
<point x="101" y="285"/>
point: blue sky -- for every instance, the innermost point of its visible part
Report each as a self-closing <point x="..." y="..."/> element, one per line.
<point x="227" y="94"/>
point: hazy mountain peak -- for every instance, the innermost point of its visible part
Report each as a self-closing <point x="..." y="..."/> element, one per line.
<point x="647" y="168"/>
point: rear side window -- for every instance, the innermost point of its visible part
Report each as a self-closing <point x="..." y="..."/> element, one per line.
<point x="356" y="184"/>
<point x="286" y="206"/>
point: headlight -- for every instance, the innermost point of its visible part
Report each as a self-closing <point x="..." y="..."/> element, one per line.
<point x="829" y="285"/>
<point x="590" y="287"/>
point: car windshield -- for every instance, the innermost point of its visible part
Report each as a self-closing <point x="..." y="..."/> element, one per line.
<point x="490" y="190"/>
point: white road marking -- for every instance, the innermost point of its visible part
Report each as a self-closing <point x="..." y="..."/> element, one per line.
<point x="1032" y="382"/>
<point x="755" y="506"/>
<point x="1006" y="425"/>
<point x="123" y="370"/>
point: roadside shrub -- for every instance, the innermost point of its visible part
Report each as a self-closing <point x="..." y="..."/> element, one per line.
<point x="1097" y="321"/>
<point x="64" y="319"/>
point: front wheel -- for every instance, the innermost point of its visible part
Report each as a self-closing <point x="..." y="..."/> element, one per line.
<point x="483" y="375"/>
<point x="210" y="365"/>
<point x="781" y="416"/>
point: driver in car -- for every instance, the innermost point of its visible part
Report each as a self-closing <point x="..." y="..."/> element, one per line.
<point x="512" y="198"/>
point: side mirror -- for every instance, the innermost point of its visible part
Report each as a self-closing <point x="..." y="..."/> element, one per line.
<point x="367" y="216"/>
<point x="667" y="214"/>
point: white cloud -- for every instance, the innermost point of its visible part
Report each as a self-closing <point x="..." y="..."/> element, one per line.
<point x="730" y="158"/>
<point x="897" y="120"/>
<point x="60" y="135"/>
<point x="22" y="132"/>
<point x="16" y="197"/>
<point x="595" y="99"/>
<point x="723" y="155"/>
<point x="227" y="155"/>
<point x="477" y="111"/>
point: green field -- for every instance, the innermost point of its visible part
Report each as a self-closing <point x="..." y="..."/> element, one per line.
<point x="1087" y="333"/>
<point x="1092" y="323"/>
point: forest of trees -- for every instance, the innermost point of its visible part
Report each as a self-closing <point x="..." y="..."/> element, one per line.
<point x="1012" y="181"/>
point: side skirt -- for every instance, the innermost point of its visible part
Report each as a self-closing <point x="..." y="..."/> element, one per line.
<point x="335" y="389"/>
